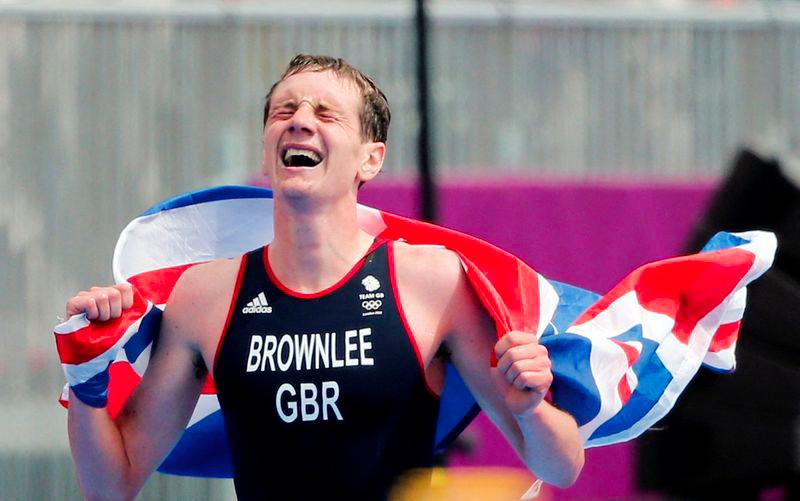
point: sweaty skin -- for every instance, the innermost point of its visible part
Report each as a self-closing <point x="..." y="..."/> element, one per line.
<point x="317" y="241"/>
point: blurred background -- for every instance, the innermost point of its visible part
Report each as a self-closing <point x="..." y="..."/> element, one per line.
<point x="587" y="137"/>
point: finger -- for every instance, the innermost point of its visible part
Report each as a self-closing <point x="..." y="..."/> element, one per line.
<point x="524" y="352"/>
<point x="103" y="307"/>
<point x="521" y="366"/>
<point x="515" y="354"/>
<point x="89" y="306"/>
<point x="513" y="338"/>
<point x="127" y="295"/>
<point x="533" y="365"/>
<point x="75" y="305"/>
<point x="114" y="302"/>
<point x="538" y="381"/>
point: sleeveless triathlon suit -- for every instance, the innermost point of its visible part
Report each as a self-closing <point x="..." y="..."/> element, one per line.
<point x="324" y="395"/>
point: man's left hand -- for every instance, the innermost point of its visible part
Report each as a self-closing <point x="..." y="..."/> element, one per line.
<point x="523" y="371"/>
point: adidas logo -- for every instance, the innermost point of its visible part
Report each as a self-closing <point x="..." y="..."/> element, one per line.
<point x="258" y="305"/>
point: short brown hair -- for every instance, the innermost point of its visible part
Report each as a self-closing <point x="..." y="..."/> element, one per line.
<point x="375" y="115"/>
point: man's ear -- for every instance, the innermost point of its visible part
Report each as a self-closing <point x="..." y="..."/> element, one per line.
<point x="372" y="161"/>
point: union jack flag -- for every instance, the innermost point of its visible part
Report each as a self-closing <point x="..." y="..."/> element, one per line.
<point x="619" y="361"/>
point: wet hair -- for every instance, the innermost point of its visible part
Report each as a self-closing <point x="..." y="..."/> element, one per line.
<point x="375" y="114"/>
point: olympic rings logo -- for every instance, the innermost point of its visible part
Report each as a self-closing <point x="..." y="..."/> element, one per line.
<point x="371" y="305"/>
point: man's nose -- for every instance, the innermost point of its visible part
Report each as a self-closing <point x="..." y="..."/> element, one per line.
<point x="303" y="119"/>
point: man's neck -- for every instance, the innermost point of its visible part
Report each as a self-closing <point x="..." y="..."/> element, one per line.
<point x="314" y="247"/>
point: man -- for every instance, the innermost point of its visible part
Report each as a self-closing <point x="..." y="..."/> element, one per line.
<point x="323" y="345"/>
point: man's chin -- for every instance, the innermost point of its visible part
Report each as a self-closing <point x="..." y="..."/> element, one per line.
<point x="294" y="189"/>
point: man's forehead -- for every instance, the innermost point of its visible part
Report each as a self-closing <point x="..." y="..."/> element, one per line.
<point x="315" y="85"/>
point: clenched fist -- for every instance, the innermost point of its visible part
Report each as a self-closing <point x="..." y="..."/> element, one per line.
<point x="87" y="349"/>
<point x="101" y="303"/>
<point x="523" y="371"/>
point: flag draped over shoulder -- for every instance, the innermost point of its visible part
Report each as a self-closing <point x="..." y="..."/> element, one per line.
<point x="619" y="361"/>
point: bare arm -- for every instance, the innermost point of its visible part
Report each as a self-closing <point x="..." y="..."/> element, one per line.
<point x="512" y="394"/>
<point x="114" y="458"/>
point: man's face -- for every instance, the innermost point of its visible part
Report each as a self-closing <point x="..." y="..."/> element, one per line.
<point x="312" y="139"/>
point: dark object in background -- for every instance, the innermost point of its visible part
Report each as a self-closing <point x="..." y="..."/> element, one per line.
<point x="730" y="436"/>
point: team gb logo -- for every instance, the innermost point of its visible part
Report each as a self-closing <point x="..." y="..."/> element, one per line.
<point x="371" y="283"/>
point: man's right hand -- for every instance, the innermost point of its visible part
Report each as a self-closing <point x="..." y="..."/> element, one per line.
<point x="101" y="303"/>
<point x="88" y="344"/>
<point x="118" y="441"/>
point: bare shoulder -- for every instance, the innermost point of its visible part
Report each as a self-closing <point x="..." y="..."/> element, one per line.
<point x="201" y="297"/>
<point x="203" y="283"/>
<point x="434" y="290"/>
<point x="428" y="268"/>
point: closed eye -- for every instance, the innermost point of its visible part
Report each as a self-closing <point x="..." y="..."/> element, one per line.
<point x="282" y="114"/>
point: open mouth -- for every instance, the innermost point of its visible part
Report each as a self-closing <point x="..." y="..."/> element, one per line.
<point x="296" y="157"/>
